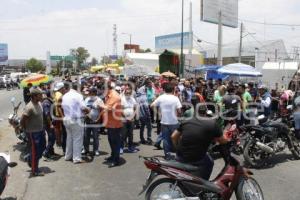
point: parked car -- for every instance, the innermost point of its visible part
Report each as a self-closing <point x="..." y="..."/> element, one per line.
<point x="2" y="82"/>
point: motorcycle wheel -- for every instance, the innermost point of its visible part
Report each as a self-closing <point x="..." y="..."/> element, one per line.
<point x="249" y="189"/>
<point x="252" y="155"/>
<point x="294" y="147"/>
<point x="164" y="188"/>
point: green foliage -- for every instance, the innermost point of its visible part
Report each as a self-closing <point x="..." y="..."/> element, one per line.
<point x="120" y="62"/>
<point x="80" y="54"/>
<point x="34" y="65"/>
<point x="148" y="50"/>
<point x="94" y="61"/>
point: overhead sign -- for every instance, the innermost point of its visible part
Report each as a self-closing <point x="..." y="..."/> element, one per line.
<point x="3" y="54"/>
<point x="173" y="41"/>
<point x="60" y="58"/>
<point x="210" y="12"/>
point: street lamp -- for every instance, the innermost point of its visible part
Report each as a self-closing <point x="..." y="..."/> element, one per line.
<point x="130" y="35"/>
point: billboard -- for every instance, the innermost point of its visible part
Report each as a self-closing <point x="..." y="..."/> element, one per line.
<point x="133" y="47"/>
<point x="210" y="10"/>
<point x="3" y="54"/>
<point x="173" y="41"/>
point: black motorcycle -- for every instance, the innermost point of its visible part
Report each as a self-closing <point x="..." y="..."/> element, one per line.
<point x="14" y="121"/>
<point x="268" y="138"/>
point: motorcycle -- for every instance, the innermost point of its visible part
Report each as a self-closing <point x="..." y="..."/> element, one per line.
<point x="180" y="182"/>
<point x="268" y="138"/>
<point x="234" y="135"/>
<point x="14" y="121"/>
<point x="5" y="166"/>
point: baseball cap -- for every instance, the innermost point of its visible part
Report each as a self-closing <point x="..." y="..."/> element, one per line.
<point x="118" y="88"/>
<point x="93" y="90"/>
<point x="35" y="91"/>
<point x="58" y="86"/>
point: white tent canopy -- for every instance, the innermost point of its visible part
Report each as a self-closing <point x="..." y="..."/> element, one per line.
<point x="239" y="69"/>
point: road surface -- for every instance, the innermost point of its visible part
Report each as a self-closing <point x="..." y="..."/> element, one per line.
<point x="95" y="181"/>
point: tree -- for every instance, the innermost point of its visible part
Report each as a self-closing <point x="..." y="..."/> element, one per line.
<point x="94" y="61"/>
<point x="34" y="65"/>
<point x="80" y="54"/>
<point x="106" y="60"/>
<point x="120" y="62"/>
<point x="148" y="50"/>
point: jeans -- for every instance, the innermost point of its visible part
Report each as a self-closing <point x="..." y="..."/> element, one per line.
<point x="75" y="134"/>
<point x="127" y="132"/>
<point x="51" y="141"/>
<point x="37" y="142"/>
<point x="89" y="132"/>
<point x="147" y="123"/>
<point x="167" y="131"/>
<point x="64" y="138"/>
<point x="114" y="139"/>
<point x="159" y="139"/>
<point x="205" y="164"/>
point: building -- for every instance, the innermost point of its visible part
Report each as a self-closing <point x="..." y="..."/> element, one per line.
<point x="253" y="53"/>
<point x="17" y="65"/>
<point x="278" y="75"/>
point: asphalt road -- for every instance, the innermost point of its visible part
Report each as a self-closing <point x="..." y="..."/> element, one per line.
<point x="94" y="180"/>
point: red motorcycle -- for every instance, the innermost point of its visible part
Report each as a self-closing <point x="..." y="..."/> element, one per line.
<point x="181" y="183"/>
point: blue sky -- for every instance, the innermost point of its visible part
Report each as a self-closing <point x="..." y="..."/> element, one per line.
<point x="32" y="27"/>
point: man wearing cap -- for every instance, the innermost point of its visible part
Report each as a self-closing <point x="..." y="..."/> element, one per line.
<point x="48" y="125"/>
<point x="32" y="123"/>
<point x="265" y="99"/>
<point x="59" y="128"/>
<point x="73" y="107"/>
<point x="94" y="103"/>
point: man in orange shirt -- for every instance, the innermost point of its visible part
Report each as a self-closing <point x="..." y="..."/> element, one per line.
<point x="113" y="123"/>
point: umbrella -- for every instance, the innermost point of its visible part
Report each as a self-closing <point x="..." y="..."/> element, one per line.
<point x="97" y="68"/>
<point x="36" y="80"/>
<point x="168" y="74"/>
<point x="239" y="69"/>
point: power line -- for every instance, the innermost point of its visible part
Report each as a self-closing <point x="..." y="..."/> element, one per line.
<point x="269" y="24"/>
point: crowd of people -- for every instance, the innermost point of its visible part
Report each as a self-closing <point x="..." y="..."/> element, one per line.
<point x="72" y="112"/>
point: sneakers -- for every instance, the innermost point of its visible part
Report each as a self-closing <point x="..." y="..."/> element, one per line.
<point x="39" y="173"/>
<point x="132" y="150"/>
<point x="97" y="153"/>
<point x="79" y="161"/>
<point x="157" y="146"/>
<point x="83" y="152"/>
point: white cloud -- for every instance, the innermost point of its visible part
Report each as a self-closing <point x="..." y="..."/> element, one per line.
<point x="92" y="27"/>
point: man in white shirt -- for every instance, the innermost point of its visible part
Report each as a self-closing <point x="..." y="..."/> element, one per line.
<point x="170" y="108"/>
<point x="129" y="106"/>
<point x="92" y="120"/>
<point x="73" y="106"/>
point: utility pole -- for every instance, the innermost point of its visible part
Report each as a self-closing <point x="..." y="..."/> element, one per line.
<point x="191" y="30"/>
<point x="181" y="70"/>
<point x="115" y="40"/>
<point x="241" y="43"/>
<point x="220" y="33"/>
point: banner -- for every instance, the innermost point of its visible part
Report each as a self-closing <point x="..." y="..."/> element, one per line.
<point x="3" y="54"/>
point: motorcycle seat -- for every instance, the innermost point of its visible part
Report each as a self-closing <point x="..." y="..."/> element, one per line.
<point x="179" y="165"/>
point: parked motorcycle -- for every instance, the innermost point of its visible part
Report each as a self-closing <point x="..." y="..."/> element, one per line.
<point x="268" y="138"/>
<point x="5" y="164"/>
<point x="181" y="182"/>
<point x="234" y="135"/>
<point x="14" y="121"/>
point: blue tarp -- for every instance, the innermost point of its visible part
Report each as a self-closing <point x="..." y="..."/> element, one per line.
<point x="211" y="71"/>
<point x="205" y="68"/>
